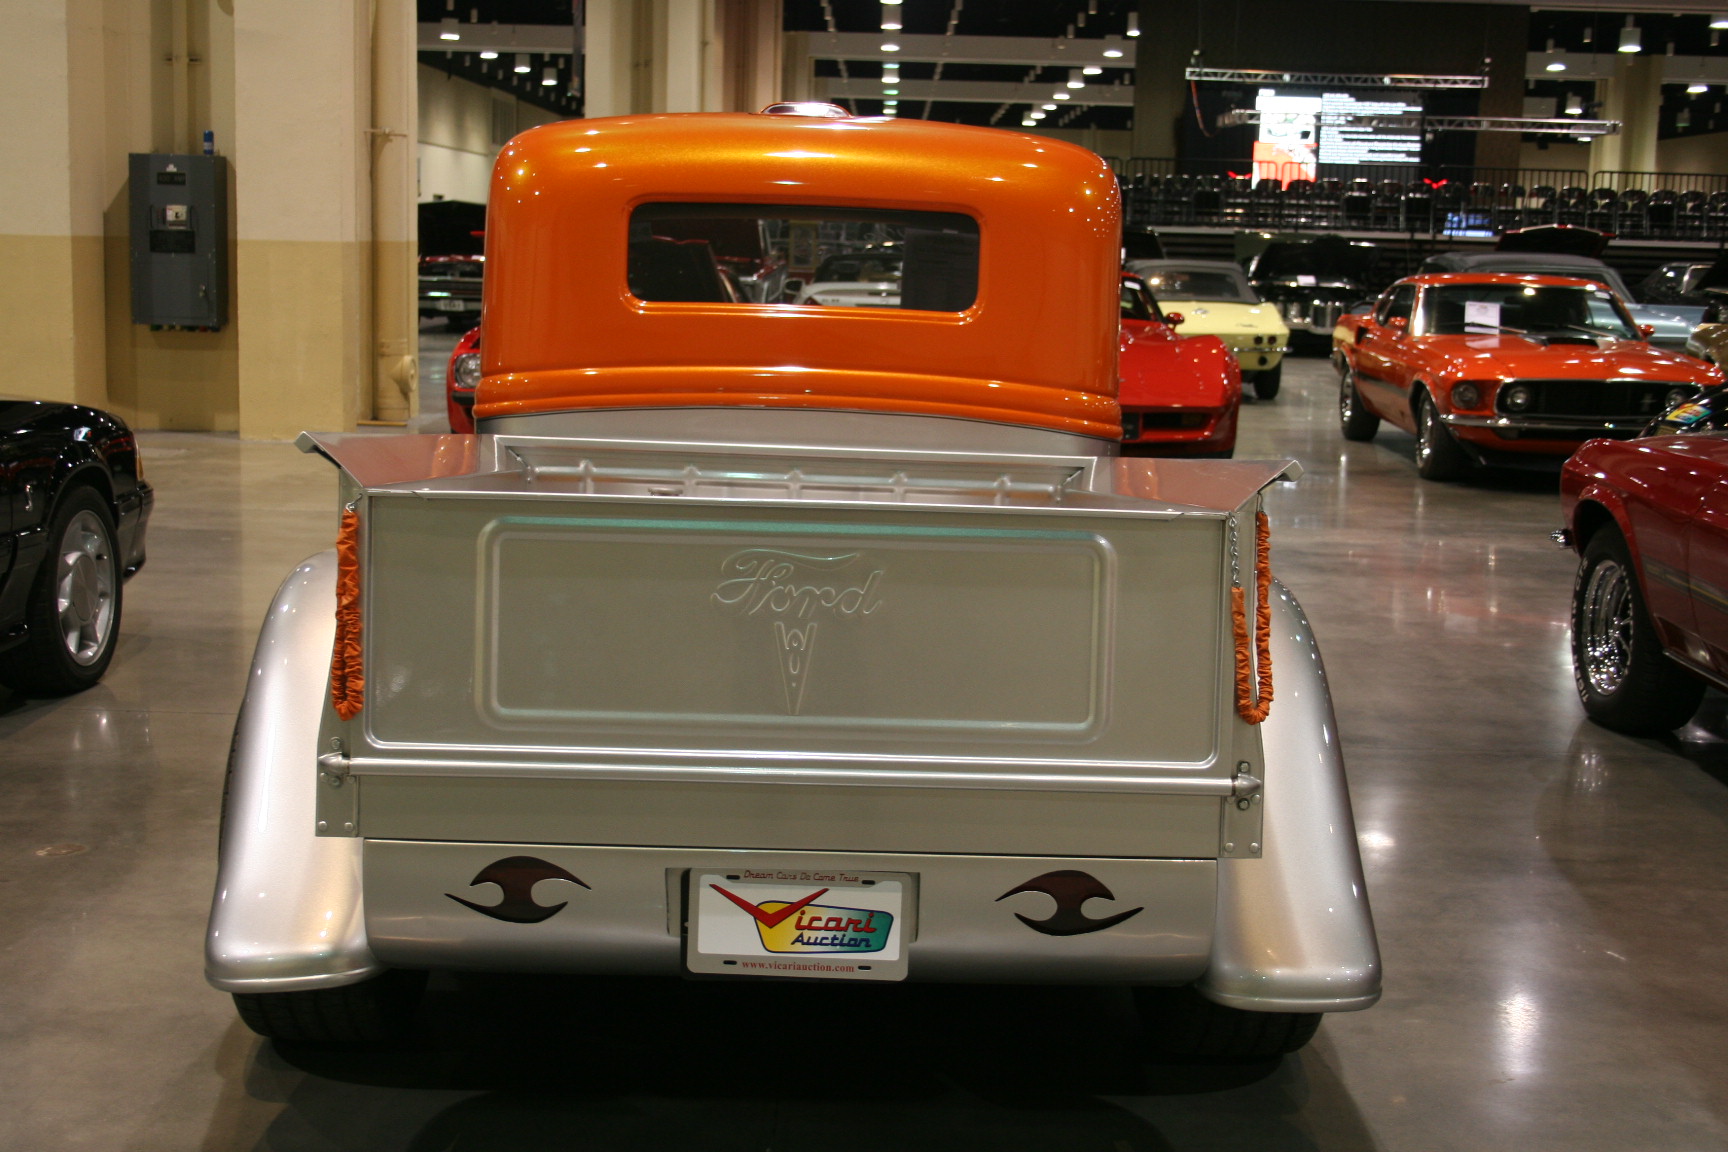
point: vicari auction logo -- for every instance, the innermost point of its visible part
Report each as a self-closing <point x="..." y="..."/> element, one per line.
<point x="803" y="926"/>
<point x="794" y="589"/>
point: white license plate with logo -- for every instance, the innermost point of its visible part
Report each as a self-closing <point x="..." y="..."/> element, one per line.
<point x="453" y="305"/>
<point x="808" y="923"/>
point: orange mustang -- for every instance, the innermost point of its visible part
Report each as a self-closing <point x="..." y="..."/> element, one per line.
<point x="1499" y="368"/>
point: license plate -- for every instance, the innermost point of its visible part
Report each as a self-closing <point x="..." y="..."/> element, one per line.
<point x="452" y="305"/>
<point x="799" y="923"/>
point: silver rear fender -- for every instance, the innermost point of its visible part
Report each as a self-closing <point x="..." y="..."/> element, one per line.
<point x="287" y="912"/>
<point x="1294" y="932"/>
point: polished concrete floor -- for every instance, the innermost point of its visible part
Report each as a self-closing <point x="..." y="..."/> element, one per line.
<point x="1552" y="898"/>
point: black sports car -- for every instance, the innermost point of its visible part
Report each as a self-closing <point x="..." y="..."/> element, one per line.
<point x="73" y="508"/>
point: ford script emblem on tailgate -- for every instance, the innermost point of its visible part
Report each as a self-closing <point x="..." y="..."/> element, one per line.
<point x="792" y="589"/>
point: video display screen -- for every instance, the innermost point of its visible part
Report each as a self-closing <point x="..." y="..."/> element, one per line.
<point x="1302" y="130"/>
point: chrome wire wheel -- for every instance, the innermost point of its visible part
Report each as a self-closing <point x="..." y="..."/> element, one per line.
<point x="1605" y="627"/>
<point x="1626" y="680"/>
<point x="84" y="584"/>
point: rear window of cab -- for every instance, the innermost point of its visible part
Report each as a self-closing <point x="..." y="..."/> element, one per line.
<point x="806" y="256"/>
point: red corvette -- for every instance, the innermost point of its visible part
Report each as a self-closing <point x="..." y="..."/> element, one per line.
<point x="1503" y="368"/>
<point x="1180" y="395"/>
<point x="1649" y="520"/>
<point x="461" y="376"/>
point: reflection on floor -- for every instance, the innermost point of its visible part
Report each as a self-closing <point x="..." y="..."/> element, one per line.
<point x="1551" y="897"/>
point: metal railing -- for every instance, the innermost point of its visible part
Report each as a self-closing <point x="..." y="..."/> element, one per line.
<point x="1437" y="200"/>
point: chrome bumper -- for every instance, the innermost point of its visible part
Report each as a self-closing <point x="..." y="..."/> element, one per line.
<point x="1560" y="427"/>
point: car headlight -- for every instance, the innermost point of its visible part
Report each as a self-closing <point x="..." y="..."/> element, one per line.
<point x="1517" y="398"/>
<point x="466" y="371"/>
<point x="1466" y="395"/>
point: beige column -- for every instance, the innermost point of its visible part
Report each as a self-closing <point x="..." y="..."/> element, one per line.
<point x="316" y="342"/>
<point x="751" y="55"/>
<point x="609" y="37"/>
<point x="395" y="218"/>
<point x="1633" y="97"/>
<point x="680" y="55"/>
<point x="51" y="201"/>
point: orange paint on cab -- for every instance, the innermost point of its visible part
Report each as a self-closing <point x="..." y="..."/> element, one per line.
<point x="562" y="331"/>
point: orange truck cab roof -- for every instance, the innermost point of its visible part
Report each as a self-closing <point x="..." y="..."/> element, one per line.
<point x="1035" y="346"/>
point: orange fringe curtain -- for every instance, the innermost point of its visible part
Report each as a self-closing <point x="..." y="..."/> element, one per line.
<point x="1253" y="706"/>
<point x="347" y="678"/>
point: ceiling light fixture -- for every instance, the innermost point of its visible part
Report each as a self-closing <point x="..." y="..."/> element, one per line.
<point x="1048" y="107"/>
<point x="1720" y="20"/>
<point x="890" y="91"/>
<point x="1075" y="81"/>
<point x="1112" y="53"/>
<point x="448" y="29"/>
<point x="891" y="73"/>
<point x="1037" y="115"/>
<point x="1133" y="23"/>
<point x="890" y="46"/>
<point x="1060" y="96"/>
<point x="891" y="18"/>
<point x="1589" y="35"/>
<point x="1557" y="66"/>
<point x="522" y="64"/>
<point x="1574" y="104"/>
<point x="1092" y="70"/>
<point x="488" y="55"/>
<point x="548" y="76"/>
<point x="1697" y="89"/>
<point x="1631" y="39"/>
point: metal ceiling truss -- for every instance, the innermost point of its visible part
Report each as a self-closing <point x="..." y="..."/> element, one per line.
<point x="1566" y="126"/>
<point x="977" y="92"/>
<point x="1334" y="79"/>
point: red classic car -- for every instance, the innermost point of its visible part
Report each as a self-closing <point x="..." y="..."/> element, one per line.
<point x="1179" y="395"/>
<point x="461" y="376"/>
<point x="1649" y="520"/>
<point x="1500" y="368"/>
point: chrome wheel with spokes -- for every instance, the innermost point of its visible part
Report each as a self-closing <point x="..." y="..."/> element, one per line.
<point x="1624" y="679"/>
<point x="1605" y="627"/>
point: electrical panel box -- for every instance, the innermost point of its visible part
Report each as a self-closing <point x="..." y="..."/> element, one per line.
<point x="179" y="217"/>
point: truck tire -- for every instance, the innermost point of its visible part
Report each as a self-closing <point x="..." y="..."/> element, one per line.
<point x="1624" y="681"/>
<point x="372" y="1012"/>
<point x="1181" y="1024"/>
<point x="73" y="609"/>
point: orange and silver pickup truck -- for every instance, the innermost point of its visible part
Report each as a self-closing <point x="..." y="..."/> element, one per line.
<point x="764" y="639"/>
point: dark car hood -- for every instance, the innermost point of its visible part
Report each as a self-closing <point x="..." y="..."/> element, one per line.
<point x="1556" y="239"/>
<point x="1330" y="258"/>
